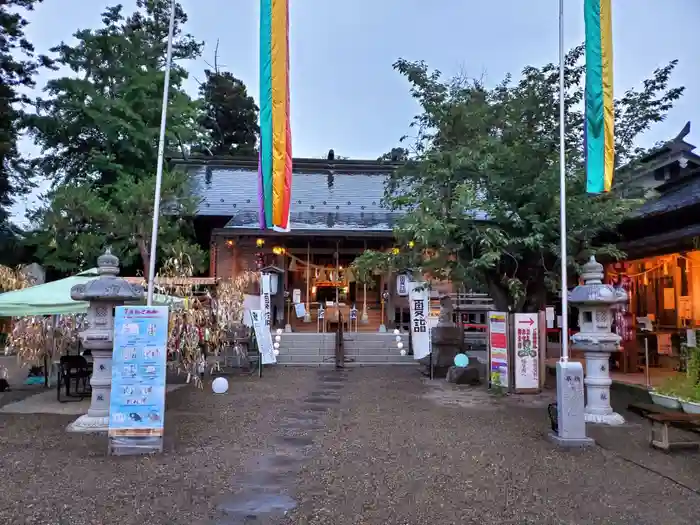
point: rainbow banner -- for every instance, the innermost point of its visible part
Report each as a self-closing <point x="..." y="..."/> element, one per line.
<point x="275" y="160"/>
<point x="599" y="127"/>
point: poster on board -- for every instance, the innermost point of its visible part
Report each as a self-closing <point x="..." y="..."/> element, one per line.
<point x="498" y="349"/>
<point x="527" y="352"/>
<point x="137" y="396"/>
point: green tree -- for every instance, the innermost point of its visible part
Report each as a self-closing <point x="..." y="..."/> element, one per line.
<point x="228" y="115"/>
<point x="483" y="186"/>
<point x="18" y="65"/>
<point x="98" y="130"/>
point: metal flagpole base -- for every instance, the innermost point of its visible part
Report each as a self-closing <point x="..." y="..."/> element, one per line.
<point x="382" y="328"/>
<point x="87" y="424"/>
<point x="288" y="328"/>
<point x="570" y="420"/>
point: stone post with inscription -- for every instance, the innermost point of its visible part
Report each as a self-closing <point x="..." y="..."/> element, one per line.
<point x="595" y="302"/>
<point x="104" y="294"/>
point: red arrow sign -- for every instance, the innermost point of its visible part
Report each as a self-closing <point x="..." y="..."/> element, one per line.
<point x="530" y="321"/>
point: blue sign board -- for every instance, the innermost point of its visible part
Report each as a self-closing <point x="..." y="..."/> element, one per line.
<point x="137" y="399"/>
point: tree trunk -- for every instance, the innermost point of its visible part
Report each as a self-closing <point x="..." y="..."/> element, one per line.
<point x="145" y="255"/>
<point x="500" y="296"/>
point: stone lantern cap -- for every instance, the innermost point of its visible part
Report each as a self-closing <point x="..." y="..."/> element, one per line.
<point x="593" y="291"/>
<point x="107" y="287"/>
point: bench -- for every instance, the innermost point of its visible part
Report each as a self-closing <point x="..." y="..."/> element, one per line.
<point x="669" y="419"/>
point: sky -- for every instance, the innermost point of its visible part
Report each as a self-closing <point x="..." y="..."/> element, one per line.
<point x="344" y="93"/>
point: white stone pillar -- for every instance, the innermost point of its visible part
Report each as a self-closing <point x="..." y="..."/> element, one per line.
<point x="364" y="319"/>
<point x="597" y="381"/>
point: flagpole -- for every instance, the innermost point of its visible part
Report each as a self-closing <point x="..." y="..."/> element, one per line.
<point x="161" y="153"/>
<point x="562" y="194"/>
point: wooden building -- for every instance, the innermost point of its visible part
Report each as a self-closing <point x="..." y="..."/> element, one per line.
<point x="662" y="243"/>
<point x="336" y="214"/>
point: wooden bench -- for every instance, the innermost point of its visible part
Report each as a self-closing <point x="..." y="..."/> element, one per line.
<point x="669" y="419"/>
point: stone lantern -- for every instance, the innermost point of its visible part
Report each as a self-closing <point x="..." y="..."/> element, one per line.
<point x="104" y="294"/>
<point x="595" y="302"/>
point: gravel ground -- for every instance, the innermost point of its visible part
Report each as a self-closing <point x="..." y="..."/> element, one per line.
<point x="367" y="446"/>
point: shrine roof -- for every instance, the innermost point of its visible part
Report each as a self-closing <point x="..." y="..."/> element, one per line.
<point x="338" y="195"/>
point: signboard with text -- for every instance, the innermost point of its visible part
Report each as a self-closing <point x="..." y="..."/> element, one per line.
<point x="264" y="338"/>
<point x="498" y="349"/>
<point x="527" y="352"/>
<point x="266" y="299"/>
<point x="420" y="330"/>
<point x="137" y="397"/>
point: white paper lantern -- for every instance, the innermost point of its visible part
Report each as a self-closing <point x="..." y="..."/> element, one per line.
<point x="220" y="385"/>
<point x="399" y="345"/>
<point x="396" y="331"/>
<point x="403" y="352"/>
<point x="398" y="338"/>
<point x="279" y="331"/>
<point x="276" y="352"/>
<point x="276" y="345"/>
<point x="278" y="338"/>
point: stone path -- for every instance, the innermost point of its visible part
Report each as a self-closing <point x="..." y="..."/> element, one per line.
<point x="366" y="446"/>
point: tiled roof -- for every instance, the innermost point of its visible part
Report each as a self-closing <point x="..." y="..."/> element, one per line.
<point x="337" y="197"/>
<point x="682" y="195"/>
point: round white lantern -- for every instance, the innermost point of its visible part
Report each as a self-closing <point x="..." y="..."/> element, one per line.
<point x="279" y="331"/>
<point x="278" y="338"/>
<point x="403" y="352"/>
<point x="399" y="345"/>
<point x="220" y="385"/>
<point x="276" y="351"/>
<point x="398" y="338"/>
<point x="396" y="331"/>
<point x="276" y="345"/>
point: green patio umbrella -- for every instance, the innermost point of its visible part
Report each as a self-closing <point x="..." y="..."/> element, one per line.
<point x="54" y="298"/>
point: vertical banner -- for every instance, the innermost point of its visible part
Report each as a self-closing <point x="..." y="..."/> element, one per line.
<point x="420" y="333"/>
<point x="264" y="337"/>
<point x="275" y="129"/>
<point x="137" y="397"/>
<point x="599" y="126"/>
<point x="498" y="349"/>
<point x="527" y="346"/>
<point x="266" y="299"/>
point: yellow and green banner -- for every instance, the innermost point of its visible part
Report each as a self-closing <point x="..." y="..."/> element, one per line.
<point x="599" y="127"/>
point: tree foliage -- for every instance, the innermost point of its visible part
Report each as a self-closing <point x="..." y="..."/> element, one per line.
<point x="18" y="65"/>
<point x="228" y="115"/>
<point x="481" y="191"/>
<point x="98" y="130"/>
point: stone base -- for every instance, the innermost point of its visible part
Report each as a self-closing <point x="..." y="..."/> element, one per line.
<point x="364" y="318"/>
<point x="307" y="317"/>
<point x="382" y="328"/>
<point x="583" y="442"/>
<point x="463" y="375"/>
<point x="613" y="419"/>
<point x="86" y="424"/>
<point x="288" y="328"/>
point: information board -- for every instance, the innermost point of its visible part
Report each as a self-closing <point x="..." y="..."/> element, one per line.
<point x="498" y="349"/>
<point x="527" y="352"/>
<point x="137" y="397"/>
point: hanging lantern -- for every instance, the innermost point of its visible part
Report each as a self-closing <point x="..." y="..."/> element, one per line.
<point x="260" y="243"/>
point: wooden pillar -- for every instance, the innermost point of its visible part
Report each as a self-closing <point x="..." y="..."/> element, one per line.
<point x="213" y="249"/>
<point x="337" y="272"/>
<point x="307" y="316"/>
<point x="364" y="318"/>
